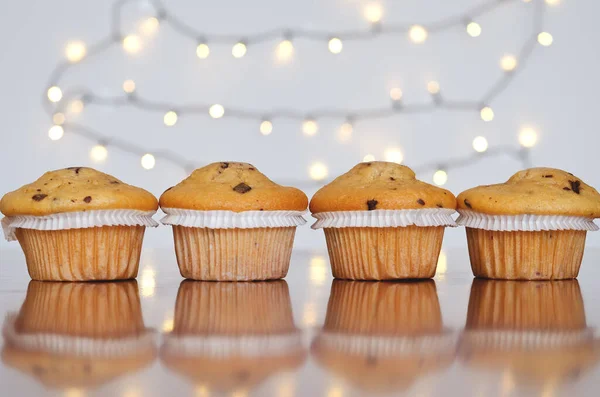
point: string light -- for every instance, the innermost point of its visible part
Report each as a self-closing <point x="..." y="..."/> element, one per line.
<point x="345" y="132"/>
<point x="373" y="12"/>
<point x="417" y="34"/>
<point x="58" y="118"/>
<point x="54" y="94"/>
<point x="149" y="26"/>
<point x="318" y="171"/>
<point x="238" y="50"/>
<point x="129" y="86"/>
<point x="56" y="132"/>
<point x="76" y="106"/>
<point x="528" y="137"/>
<point x="202" y="51"/>
<point x="285" y="51"/>
<point x="310" y="127"/>
<point x="508" y="63"/>
<point x="440" y="177"/>
<point x="132" y="44"/>
<point x="170" y="118"/>
<point x="266" y="127"/>
<point x="553" y="2"/>
<point x="473" y="29"/>
<point x="486" y="113"/>
<point x="396" y="94"/>
<point x="368" y="158"/>
<point x="545" y="39"/>
<point x="335" y="45"/>
<point x="98" y="153"/>
<point x="148" y="161"/>
<point x="393" y="155"/>
<point x="75" y="51"/>
<point x="216" y="111"/>
<point x="433" y="87"/>
<point x="480" y="144"/>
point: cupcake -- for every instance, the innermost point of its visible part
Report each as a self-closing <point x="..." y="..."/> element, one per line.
<point x="232" y="223"/>
<point x="532" y="227"/>
<point x="383" y="336"/>
<point x="230" y="337"/>
<point x="381" y="223"/>
<point x="78" y="335"/>
<point x="79" y="224"/>
<point x="535" y="332"/>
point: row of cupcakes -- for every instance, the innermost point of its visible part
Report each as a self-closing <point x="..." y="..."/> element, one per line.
<point x="230" y="222"/>
<point x="84" y="335"/>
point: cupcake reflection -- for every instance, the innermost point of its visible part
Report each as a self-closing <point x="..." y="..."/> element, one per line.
<point x="230" y="337"/>
<point x="78" y="335"/>
<point x="534" y="330"/>
<point x="383" y="336"/>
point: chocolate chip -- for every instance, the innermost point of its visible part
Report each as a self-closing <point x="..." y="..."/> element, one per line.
<point x="262" y="209"/>
<point x="251" y="168"/>
<point x="372" y="204"/>
<point x="242" y="188"/>
<point x="224" y="165"/>
<point x="566" y="188"/>
<point x="87" y="199"/>
<point x="38" y="190"/>
<point x="368" y="164"/>
<point x="575" y="186"/>
<point x="39" y="197"/>
<point x="392" y="178"/>
<point x="570" y="174"/>
<point x="54" y="199"/>
<point x="439" y="206"/>
<point x="468" y="204"/>
<point x="76" y="169"/>
<point x="114" y="182"/>
<point x="420" y="201"/>
<point x="73" y="201"/>
<point x="548" y="176"/>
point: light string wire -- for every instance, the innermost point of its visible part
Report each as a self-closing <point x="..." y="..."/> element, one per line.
<point x="132" y="99"/>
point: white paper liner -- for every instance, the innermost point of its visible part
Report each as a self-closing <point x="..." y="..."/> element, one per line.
<point x="526" y="340"/>
<point x="77" y="220"/>
<point x="222" y="346"/>
<point x="232" y="220"/>
<point x="390" y="346"/>
<point x="385" y="218"/>
<point x="525" y="222"/>
<point x="75" y="345"/>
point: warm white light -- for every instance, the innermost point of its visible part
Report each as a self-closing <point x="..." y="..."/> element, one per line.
<point x="528" y="137"/>
<point x="373" y="12"/>
<point x="238" y="50"/>
<point x="310" y="127"/>
<point x="216" y="111"/>
<point x="74" y="392"/>
<point x="129" y="86"/>
<point x="417" y="34"/>
<point x="433" y="87"/>
<point x="440" y="177"/>
<point x="285" y="51"/>
<point x="553" y="2"/>
<point x="396" y="94"/>
<point x="480" y="144"/>
<point x="368" y="158"/>
<point x="545" y="39"/>
<point x="132" y="44"/>
<point x="487" y="114"/>
<point x="442" y="264"/>
<point x="148" y="161"/>
<point x="56" y="132"/>
<point x="54" y="94"/>
<point x="393" y="155"/>
<point x="149" y="26"/>
<point x="75" y="51"/>
<point x="318" y="270"/>
<point x="335" y="45"/>
<point x="170" y="118"/>
<point x="98" y="154"/>
<point x="76" y="106"/>
<point x="508" y="63"/>
<point x="167" y="325"/>
<point x="318" y="171"/>
<point x="309" y="315"/>
<point x="202" y="51"/>
<point x="473" y="29"/>
<point x="58" y="118"/>
<point x="345" y="132"/>
<point x="148" y="282"/>
<point x="266" y="127"/>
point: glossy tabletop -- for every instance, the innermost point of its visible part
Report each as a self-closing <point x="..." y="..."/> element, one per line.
<point x="305" y="336"/>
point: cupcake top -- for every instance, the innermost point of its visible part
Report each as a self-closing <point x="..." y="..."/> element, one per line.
<point x="234" y="187"/>
<point x="75" y="189"/>
<point x="379" y="185"/>
<point x="536" y="191"/>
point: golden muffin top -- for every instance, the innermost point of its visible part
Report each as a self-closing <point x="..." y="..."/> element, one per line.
<point x="75" y="189"/>
<point x="536" y="191"/>
<point x="234" y="187"/>
<point x="379" y="185"/>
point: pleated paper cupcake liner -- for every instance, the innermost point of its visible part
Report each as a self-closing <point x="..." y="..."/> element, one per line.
<point x="524" y="222"/>
<point x="385" y="218"/>
<point x="77" y="346"/>
<point x="232" y="220"/>
<point x="526" y="340"/>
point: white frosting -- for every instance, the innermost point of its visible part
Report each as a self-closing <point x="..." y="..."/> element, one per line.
<point x="232" y="220"/>
<point x="385" y="218"/>
<point x="524" y="222"/>
<point x="77" y="220"/>
<point x="527" y="340"/>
